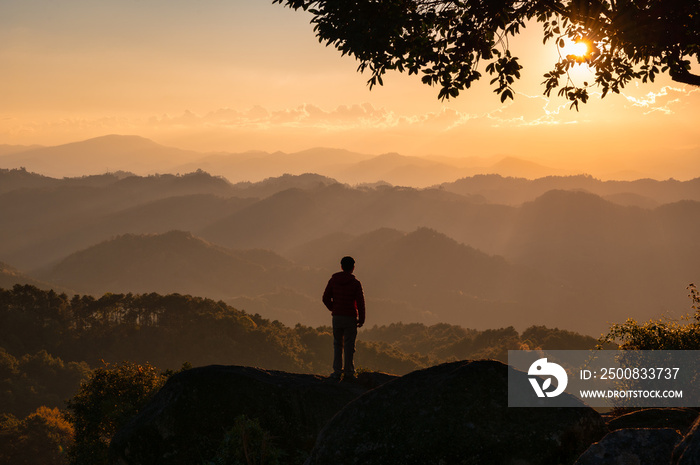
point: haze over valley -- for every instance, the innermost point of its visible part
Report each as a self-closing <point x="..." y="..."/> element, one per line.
<point x="479" y="250"/>
<point x="141" y="156"/>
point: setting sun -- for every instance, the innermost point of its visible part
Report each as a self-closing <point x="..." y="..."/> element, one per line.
<point x="577" y="49"/>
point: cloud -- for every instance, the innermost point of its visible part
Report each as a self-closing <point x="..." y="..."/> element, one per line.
<point x="306" y="118"/>
<point x="310" y="116"/>
<point x="532" y="110"/>
<point x="661" y="101"/>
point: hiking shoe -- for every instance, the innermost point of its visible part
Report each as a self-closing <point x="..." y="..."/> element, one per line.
<point x="334" y="376"/>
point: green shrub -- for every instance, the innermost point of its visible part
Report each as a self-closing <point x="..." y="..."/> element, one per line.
<point x="110" y="397"/>
<point x="247" y="443"/>
<point x="658" y="334"/>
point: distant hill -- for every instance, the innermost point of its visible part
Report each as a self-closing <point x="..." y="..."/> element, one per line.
<point x="426" y="276"/>
<point x="515" y="191"/>
<point x="399" y="170"/>
<point x="512" y="166"/>
<point x="112" y="153"/>
<point x="419" y="276"/>
<point x="10" y="276"/>
<point x="48" y="222"/>
<point x="355" y="168"/>
<point x="167" y="263"/>
<point x="257" y="166"/>
<point x="99" y="155"/>
<point x="273" y="185"/>
<point x="568" y="257"/>
<point x="281" y="220"/>
<point x="291" y="217"/>
<point x="610" y="256"/>
<point x="629" y="199"/>
<point x="20" y="178"/>
<point x="6" y="149"/>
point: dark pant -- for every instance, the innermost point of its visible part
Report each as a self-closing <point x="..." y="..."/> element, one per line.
<point x="344" y="335"/>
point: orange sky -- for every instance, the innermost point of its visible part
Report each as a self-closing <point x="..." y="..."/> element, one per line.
<point x="236" y="75"/>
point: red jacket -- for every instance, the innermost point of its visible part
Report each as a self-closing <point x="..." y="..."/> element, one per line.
<point x="344" y="296"/>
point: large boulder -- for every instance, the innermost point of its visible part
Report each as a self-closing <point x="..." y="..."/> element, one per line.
<point x="638" y="446"/>
<point x="454" y="413"/>
<point x="688" y="451"/>
<point x="680" y="419"/>
<point x="187" y="420"/>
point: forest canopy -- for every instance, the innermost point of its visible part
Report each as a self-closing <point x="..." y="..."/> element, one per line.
<point x="58" y="351"/>
<point x="49" y="342"/>
<point x="451" y="43"/>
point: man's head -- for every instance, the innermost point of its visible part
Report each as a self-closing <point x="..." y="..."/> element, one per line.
<point x="347" y="264"/>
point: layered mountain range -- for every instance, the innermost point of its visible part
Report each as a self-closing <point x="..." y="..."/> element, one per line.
<point x="484" y="251"/>
<point x="143" y="157"/>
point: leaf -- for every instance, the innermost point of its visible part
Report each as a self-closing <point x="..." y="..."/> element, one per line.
<point x="546" y="384"/>
<point x="506" y="94"/>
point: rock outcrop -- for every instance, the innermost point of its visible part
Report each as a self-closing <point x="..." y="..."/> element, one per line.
<point x="188" y="418"/>
<point x="688" y="451"/>
<point x="680" y="419"/>
<point x="454" y="413"/>
<point x="639" y="446"/>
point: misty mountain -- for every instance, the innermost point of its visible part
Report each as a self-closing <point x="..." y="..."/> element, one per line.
<point x="9" y="277"/>
<point x="629" y="199"/>
<point x="295" y="216"/>
<point x="515" y="191"/>
<point x="271" y="186"/>
<point x="516" y="167"/>
<point x="280" y="220"/>
<point x="354" y="168"/>
<point x="423" y="275"/>
<point x="143" y="157"/>
<point x="443" y="279"/>
<point x="399" y="170"/>
<point x="20" y="178"/>
<point x="44" y="224"/>
<point x="568" y="257"/>
<point x="158" y="216"/>
<point x="174" y="262"/>
<point x="23" y="179"/>
<point x="256" y="166"/>
<point x="610" y="256"/>
<point x="6" y="149"/>
<point x="100" y="155"/>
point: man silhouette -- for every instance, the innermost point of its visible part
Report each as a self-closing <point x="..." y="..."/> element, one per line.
<point x="346" y="301"/>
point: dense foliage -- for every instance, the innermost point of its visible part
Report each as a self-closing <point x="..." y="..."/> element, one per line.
<point x="168" y="330"/>
<point x="163" y="330"/>
<point x="659" y="334"/>
<point x="49" y="342"/>
<point x="447" y="41"/>
<point x="37" y="379"/>
<point x="109" y="398"/>
<point x="43" y="437"/>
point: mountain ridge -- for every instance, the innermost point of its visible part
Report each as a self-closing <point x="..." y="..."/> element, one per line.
<point x="572" y="256"/>
<point x="143" y="156"/>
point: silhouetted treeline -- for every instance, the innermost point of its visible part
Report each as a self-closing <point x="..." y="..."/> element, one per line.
<point x="163" y="330"/>
<point x="442" y="342"/>
<point x="49" y="341"/>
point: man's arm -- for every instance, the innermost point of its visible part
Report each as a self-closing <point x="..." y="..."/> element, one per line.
<point x="360" y="302"/>
<point x="328" y="296"/>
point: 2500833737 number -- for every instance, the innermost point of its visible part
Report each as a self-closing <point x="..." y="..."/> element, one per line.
<point x="639" y="373"/>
